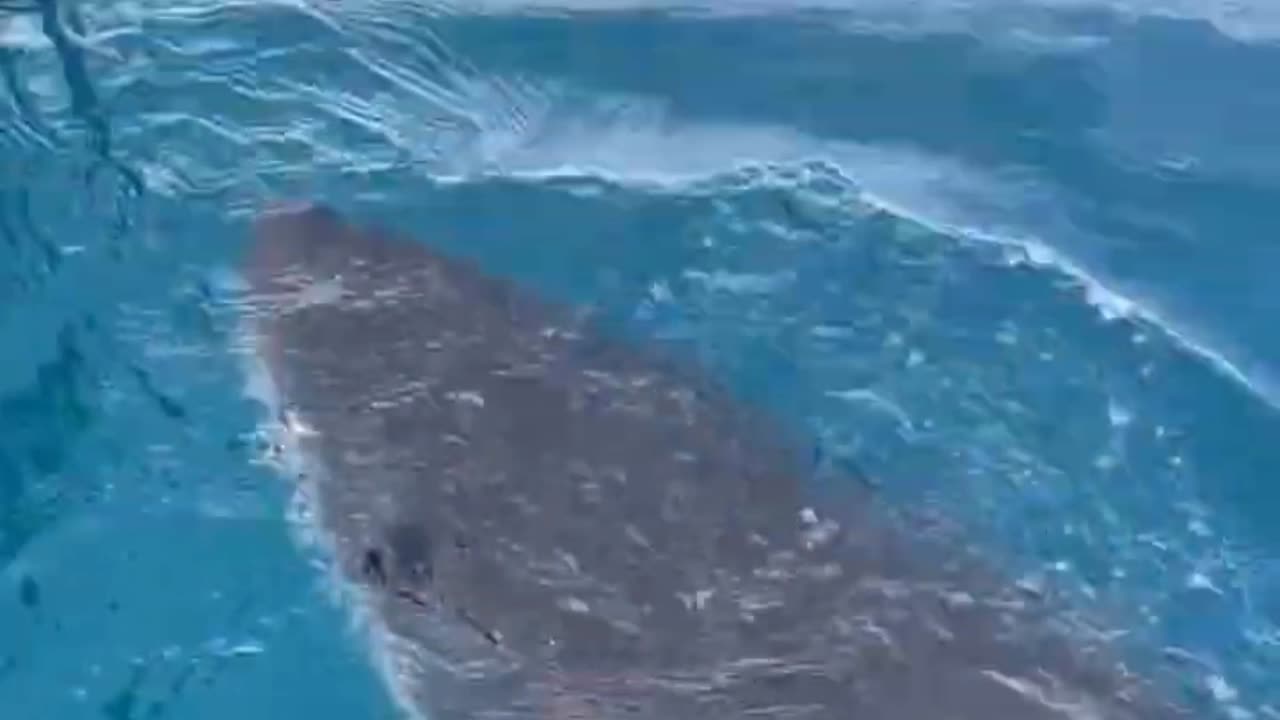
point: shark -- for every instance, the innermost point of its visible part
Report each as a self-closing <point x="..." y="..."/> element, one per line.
<point x="540" y="517"/>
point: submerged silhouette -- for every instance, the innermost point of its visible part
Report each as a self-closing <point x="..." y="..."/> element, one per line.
<point x="545" y="520"/>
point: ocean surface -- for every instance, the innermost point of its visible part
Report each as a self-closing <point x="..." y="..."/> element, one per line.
<point x="1014" y="259"/>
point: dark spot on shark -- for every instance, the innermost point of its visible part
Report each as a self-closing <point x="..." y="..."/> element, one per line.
<point x="29" y="592"/>
<point x="373" y="567"/>
<point x="493" y="636"/>
<point x="413" y="597"/>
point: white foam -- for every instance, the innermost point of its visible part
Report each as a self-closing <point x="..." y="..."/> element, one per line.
<point x="628" y="141"/>
<point x="1119" y="415"/>
<point x="1114" y="304"/>
<point x="631" y="142"/>
<point x="22" y="32"/>
<point x="1221" y="690"/>
<point x="876" y="401"/>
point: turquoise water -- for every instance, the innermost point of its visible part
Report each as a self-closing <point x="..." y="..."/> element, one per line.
<point x="1014" y="261"/>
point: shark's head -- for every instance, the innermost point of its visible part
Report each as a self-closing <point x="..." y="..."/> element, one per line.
<point x="313" y="250"/>
<point x="298" y="245"/>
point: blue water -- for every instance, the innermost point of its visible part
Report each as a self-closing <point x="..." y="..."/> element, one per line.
<point x="1015" y="261"/>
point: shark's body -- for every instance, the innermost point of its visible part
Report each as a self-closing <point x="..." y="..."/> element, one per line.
<point x="551" y="523"/>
